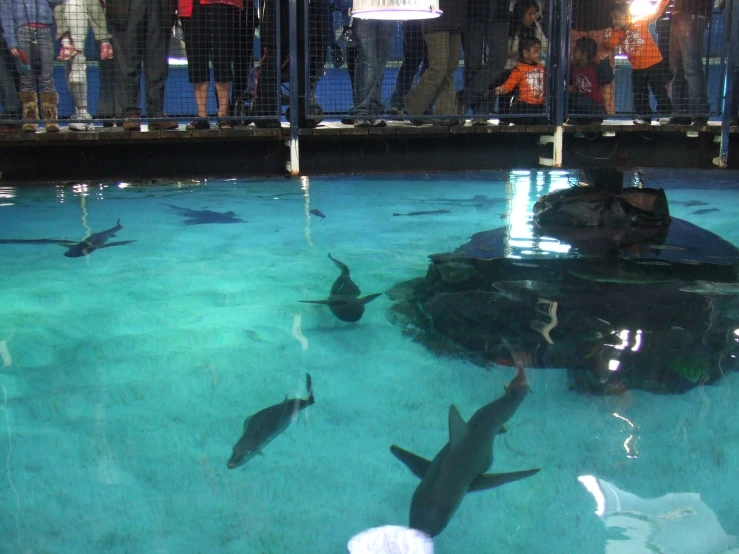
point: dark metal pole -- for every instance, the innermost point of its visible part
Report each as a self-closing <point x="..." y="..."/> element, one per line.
<point x="729" y="107"/>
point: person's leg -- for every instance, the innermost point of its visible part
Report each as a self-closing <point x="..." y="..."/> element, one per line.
<point x="657" y="81"/>
<point x="473" y="34"/>
<point x="497" y="42"/>
<point x="8" y="91"/>
<point x="156" y="66"/>
<point x="640" y="94"/>
<point x="222" y="41"/>
<point x="693" y="29"/>
<point x="195" y="31"/>
<point x="49" y="97"/>
<point x="126" y="40"/>
<point x="445" y="100"/>
<point x="414" y="54"/>
<point x="679" y="84"/>
<point x="266" y="102"/>
<point x="243" y="51"/>
<point x="425" y="90"/>
<point x="384" y="43"/>
<point x="365" y="37"/>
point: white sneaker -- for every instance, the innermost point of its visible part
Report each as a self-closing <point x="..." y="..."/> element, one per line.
<point x="664" y="120"/>
<point x="81" y="121"/>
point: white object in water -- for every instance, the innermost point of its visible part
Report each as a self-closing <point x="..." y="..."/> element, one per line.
<point x="297" y="333"/>
<point x="396" y="10"/>
<point x="391" y="539"/>
<point x="678" y="523"/>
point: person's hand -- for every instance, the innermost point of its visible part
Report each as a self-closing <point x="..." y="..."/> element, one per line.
<point x="499" y="91"/>
<point x="14" y="52"/>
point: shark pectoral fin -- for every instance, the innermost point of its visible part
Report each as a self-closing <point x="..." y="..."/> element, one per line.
<point x="502" y="431"/>
<point x="315" y="301"/>
<point x="119" y="243"/>
<point x="418" y="466"/>
<point x="457" y="426"/>
<point x="66" y="243"/>
<point x="369" y="298"/>
<point x="492" y="480"/>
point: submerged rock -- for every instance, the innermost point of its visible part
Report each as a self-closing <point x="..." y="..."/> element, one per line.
<point x="647" y="307"/>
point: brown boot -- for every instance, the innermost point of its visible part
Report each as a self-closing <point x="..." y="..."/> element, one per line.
<point x="49" y="113"/>
<point x="29" y="101"/>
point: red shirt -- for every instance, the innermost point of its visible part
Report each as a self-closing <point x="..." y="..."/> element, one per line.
<point x="585" y="82"/>
<point x="184" y="7"/>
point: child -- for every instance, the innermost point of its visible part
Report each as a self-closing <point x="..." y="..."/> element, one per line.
<point x="528" y="78"/>
<point x="586" y="78"/>
<point x="27" y="30"/>
<point x="637" y="43"/>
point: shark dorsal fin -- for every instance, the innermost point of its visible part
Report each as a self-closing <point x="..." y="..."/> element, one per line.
<point x="457" y="426"/>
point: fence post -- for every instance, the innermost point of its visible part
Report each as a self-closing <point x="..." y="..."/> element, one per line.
<point x="293" y="166"/>
<point x="729" y="108"/>
<point x="557" y="65"/>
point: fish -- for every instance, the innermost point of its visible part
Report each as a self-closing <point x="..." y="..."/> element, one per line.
<point x="477" y="201"/>
<point x="200" y="217"/>
<point x="96" y="241"/>
<point x="318" y="213"/>
<point x="705" y="211"/>
<point x="343" y="300"/>
<point x="459" y="466"/>
<point x="689" y="203"/>
<point x="277" y="196"/>
<point x="430" y="212"/>
<point x="711" y="288"/>
<point x="266" y="425"/>
<point x="85" y="247"/>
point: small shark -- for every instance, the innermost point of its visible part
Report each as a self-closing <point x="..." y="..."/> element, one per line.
<point x="343" y="300"/>
<point x="430" y="212"/>
<point x="264" y="426"/>
<point x="78" y="249"/>
<point x="200" y="217"/>
<point x="459" y="467"/>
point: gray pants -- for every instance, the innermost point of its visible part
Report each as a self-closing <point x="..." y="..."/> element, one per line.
<point x="39" y="47"/>
<point x="481" y="71"/>
<point x="436" y="85"/>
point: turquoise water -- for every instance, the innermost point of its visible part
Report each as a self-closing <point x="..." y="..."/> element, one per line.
<point x="127" y="375"/>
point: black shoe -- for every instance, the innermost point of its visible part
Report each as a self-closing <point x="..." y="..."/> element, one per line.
<point x="700" y="121"/>
<point x="267" y="123"/>
<point x="681" y="120"/>
<point x="347" y="121"/>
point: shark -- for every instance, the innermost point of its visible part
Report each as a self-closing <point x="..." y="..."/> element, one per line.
<point x="266" y="425"/>
<point x="460" y="466"/>
<point x="343" y="299"/>
<point x="86" y="246"/>
<point x="200" y="217"/>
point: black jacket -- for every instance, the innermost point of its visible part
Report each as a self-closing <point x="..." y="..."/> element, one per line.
<point x="453" y="18"/>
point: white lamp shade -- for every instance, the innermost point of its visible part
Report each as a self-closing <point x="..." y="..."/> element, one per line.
<point x="395" y="10"/>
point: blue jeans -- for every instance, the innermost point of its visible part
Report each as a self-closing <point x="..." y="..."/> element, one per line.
<point x="374" y="40"/>
<point x="689" y="94"/>
<point x="8" y="91"/>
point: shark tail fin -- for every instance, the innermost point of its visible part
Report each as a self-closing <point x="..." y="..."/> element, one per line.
<point x="343" y="267"/>
<point x="309" y="386"/>
<point x="492" y="480"/>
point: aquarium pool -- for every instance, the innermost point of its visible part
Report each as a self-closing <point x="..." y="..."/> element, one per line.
<point x="127" y="375"/>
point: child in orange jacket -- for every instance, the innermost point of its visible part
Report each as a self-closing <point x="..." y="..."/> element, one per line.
<point x="647" y="71"/>
<point x="527" y="77"/>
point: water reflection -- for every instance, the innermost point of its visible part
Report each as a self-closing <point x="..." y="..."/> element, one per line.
<point x="675" y="522"/>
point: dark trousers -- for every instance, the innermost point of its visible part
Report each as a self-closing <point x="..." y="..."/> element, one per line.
<point x="482" y="68"/>
<point x="9" y="84"/>
<point x="244" y="50"/>
<point x="415" y="58"/>
<point x="141" y="37"/>
<point x="106" y="108"/>
<point x="654" y="78"/>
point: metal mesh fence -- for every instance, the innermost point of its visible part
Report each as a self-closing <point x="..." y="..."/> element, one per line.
<point x="199" y="64"/>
